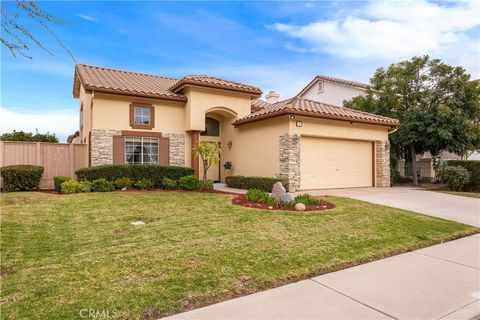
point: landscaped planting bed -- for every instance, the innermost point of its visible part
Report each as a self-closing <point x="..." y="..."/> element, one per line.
<point x="63" y="254"/>
<point x="241" y="200"/>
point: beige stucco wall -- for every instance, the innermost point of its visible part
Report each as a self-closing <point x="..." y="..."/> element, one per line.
<point x="201" y="100"/>
<point x="338" y="129"/>
<point x="333" y="93"/>
<point x="86" y="101"/>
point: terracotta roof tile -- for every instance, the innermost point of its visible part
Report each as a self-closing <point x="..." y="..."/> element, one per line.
<point x="209" y="81"/>
<point x="125" y="82"/>
<point x="312" y="108"/>
<point x="258" y="104"/>
<point x="336" y="80"/>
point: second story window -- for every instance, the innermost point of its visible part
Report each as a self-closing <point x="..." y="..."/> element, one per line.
<point x="320" y="86"/>
<point x="142" y="116"/>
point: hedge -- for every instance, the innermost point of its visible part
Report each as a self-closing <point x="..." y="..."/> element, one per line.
<point x="135" y="172"/>
<point x="473" y="166"/>
<point x="262" y="183"/>
<point x="21" y="177"/>
<point x="58" y="180"/>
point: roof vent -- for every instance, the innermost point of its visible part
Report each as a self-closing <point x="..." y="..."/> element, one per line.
<point x="272" y="97"/>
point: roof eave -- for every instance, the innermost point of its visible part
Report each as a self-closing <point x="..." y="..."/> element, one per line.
<point x="182" y="84"/>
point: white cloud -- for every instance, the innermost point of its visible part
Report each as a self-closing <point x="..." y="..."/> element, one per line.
<point x="87" y="17"/>
<point x="60" y="122"/>
<point x="392" y="30"/>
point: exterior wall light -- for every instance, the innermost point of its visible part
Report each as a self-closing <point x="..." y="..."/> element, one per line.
<point x="299" y="123"/>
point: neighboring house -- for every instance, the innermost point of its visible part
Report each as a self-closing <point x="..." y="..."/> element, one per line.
<point x="128" y="117"/>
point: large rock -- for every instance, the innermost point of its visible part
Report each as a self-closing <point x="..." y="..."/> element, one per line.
<point x="278" y="191"/>
<point x="300" y="207"/>
<point x="288" y="197"/>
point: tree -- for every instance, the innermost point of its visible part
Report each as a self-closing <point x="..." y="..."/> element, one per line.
<point x="16" y="36"/>
<point x="437" y="105"/>
<point x="209" y="152"/>
<point x="28" y="136"/>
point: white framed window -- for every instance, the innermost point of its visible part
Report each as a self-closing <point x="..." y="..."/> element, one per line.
<point x="320" y="86"/>
<point x="141" y="150"/>
<point x="142" y="116"/>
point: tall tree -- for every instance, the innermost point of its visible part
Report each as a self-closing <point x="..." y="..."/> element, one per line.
<point x="437" y="104"/>
<point x="15" y="16"/>
<point x="28" y="136"/>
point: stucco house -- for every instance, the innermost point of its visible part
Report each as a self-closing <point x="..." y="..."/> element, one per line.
<point x="130" y="117"/>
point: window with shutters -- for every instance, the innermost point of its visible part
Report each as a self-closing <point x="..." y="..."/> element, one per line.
<point x="141" y="150"/>
<point x="142" y="116"/>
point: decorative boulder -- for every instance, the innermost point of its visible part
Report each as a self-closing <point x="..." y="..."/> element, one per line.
<point x="288" y="197"/>
<point x="278" y="191"/>
<point x="300" y="207"/>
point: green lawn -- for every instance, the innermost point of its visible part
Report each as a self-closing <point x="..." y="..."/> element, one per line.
<point x="464" y="194"/>
<point x="62" y="254"/>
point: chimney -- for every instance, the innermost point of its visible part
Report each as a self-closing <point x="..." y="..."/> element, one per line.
<point x="272" y="97"/>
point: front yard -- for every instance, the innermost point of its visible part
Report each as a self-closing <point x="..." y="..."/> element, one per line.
<point x="64" y="254"/>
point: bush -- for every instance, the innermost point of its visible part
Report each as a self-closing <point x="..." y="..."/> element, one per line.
<point x="21" y="177"/>
<point x="305" y="199"/>
<point x="454" y="177"/>
<point x="206" y="185"/>
<point x="102" y="185"/>
<point x="262" y="183"/>
<point x="473" y="167"/>
<point x="135" y="172"/>
<point x="169" y="184"/>
<point x="73" y="186"/>
<point x="189" y="183"/>
<point x="257" y="195"/>
<point x="144" y="184"/>
<point x="124" y="182"/>
<point x="58" y="180"/>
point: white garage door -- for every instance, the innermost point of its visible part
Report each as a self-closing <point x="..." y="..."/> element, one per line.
<point x="335" y="163"/>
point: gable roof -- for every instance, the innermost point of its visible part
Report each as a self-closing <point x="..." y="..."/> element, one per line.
<point x="345" y="82"/>
<point x="258" y="104"/>
<point x="301" y="106"/>
<point x="148" y="85"/>
<point x="124" y="82"/>
<point x="214" y="82"/>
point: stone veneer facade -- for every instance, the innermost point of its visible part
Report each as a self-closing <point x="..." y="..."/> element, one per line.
<point x="382" y="164"/>
<point x="177" y="148"/>
<point x="290" y="160"/>
<point x="101" y="147"/>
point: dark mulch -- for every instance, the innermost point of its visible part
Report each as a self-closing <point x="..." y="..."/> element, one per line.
<point x="241" y="200"/>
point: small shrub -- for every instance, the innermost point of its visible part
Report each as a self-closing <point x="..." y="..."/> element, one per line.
<point x="144" y="184"/>
<point x="206" y="185"/>
<point x="454" y="177"/>
<point x="58" y="180"/>
<point x="473" y="167"/>
<point x="124" y="182"/>
<point x="73" y="186"/>
<point x="169" y="184"/>
<point x="135" y="172"/>
<point x="262" y="183"/>
<point x="305" y="199"/>
<point x="102" y="185"/>
<point x="257" y="195"/>
<point x="21" y="177"/>
<point x="189" y="183"/>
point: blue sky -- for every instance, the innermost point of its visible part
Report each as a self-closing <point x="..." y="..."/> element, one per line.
<point x="275" y="45"/>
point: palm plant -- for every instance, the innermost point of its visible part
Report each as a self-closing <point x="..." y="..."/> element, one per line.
<point x="209" y="152"/>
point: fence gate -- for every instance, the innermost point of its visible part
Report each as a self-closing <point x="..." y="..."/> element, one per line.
<point x="57" y="159"/>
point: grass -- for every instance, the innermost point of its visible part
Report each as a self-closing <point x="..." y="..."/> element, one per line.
<point x="62" y="254"/>
<point x="464" y="194"/>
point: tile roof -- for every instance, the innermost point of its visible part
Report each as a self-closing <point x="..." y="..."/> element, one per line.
<point x="258" y="104"/>
<point x="125" y="82"/>
<point x="336" y="80"/>
<point x="148" y="85"/>
<point x="312" y="108"/>
<point x="214" y="82"/>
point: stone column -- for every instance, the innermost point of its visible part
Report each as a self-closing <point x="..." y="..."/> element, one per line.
<point x="101" y="146"/>
<point x="290" y="160"/>
<point x="383" y="163"/>
<point x="177" y="148"/>
<point x="195" y="138"/>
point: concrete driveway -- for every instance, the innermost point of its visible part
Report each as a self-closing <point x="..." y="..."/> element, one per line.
<point x="457" y="208"/>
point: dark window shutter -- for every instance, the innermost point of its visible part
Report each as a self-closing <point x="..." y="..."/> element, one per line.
<point x="164" y="151"/>
<point x="118" y="150"/>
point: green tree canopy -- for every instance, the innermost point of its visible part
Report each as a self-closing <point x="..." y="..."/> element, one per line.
<point x="28" y="136"/>
<point x="437" y="104"/>
<point x="209" y="152"/>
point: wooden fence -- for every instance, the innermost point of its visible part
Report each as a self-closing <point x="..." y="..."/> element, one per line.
<point x="57" y="159"/>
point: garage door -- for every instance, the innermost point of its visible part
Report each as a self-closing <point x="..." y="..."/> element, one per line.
<point x="335" y="163"/>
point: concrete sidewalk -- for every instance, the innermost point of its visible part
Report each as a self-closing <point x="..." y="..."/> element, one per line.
<point x="439" y="282"/>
